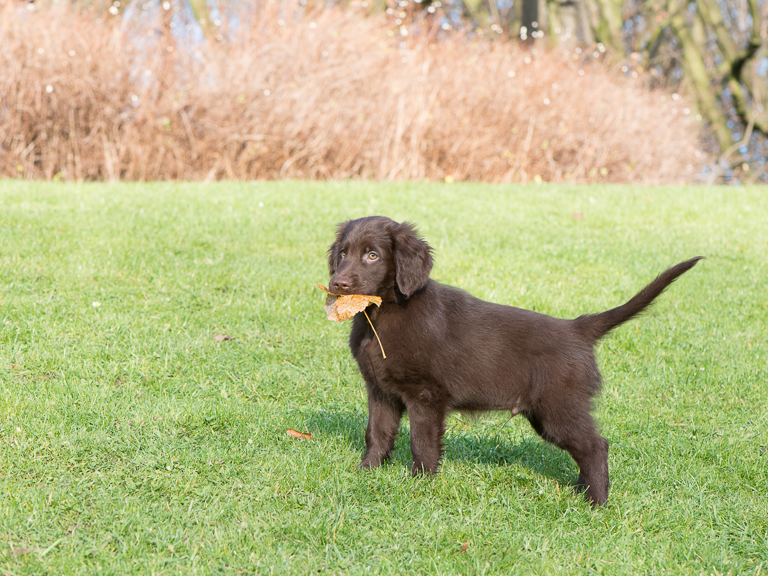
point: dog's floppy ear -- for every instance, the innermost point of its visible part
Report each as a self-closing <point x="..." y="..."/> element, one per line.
<point x="333" y="251"/>
<point x="413" y="259"/>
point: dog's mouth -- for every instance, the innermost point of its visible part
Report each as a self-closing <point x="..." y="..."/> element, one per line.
<point x="347" y="292"/>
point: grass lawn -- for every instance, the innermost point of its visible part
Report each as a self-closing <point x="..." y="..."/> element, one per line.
<point x="132" y="441"/>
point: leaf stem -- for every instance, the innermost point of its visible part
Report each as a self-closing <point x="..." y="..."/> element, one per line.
<point x="375" y="334"/>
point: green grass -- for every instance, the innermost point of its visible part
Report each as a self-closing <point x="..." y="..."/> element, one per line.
<point x="131" y="441"/>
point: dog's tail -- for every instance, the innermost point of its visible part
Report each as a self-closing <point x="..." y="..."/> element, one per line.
<point x="595" y="326"/>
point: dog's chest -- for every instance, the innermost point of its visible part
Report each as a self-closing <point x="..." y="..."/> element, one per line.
<point x="391" y="359"/>
<point x="406" y="365"/>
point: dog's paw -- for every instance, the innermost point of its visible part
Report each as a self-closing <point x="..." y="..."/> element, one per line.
<point x="369" y="464"/>
<point x="421" y="469"/>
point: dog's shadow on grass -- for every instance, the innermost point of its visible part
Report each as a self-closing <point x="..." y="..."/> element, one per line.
<point x="478" y="447"/>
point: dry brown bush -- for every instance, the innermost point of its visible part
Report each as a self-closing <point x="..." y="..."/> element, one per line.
<point x="327" y="95"/>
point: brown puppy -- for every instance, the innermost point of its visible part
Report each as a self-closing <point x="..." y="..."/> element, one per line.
<point x="447" y="350"/>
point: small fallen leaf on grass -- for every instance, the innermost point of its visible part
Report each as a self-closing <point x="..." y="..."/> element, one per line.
<point x="464" y="547"/>
<point x="222" y="337"/>
<point x="296" y="434"/>
<point x="340" y="307"/>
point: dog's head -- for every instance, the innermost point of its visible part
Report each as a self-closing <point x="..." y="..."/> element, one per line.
<point x="372" y="255"/>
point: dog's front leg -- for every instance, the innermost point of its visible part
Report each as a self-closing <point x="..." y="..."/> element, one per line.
<point x="384" y="414"/>
<point x="427" y="429"/>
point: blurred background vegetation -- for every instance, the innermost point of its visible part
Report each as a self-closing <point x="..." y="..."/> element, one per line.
<point x="698" y="70"/>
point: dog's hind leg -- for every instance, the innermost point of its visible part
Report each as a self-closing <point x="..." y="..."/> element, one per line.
<point x="574" y="431"/>
<point x="591" y="455"/>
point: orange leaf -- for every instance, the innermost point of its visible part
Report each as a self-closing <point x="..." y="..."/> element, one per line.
<point x="222" y="337"/>
<point x="464" y="547"/>
<point x="296" y="434"/>
<point x="340" y="307"/>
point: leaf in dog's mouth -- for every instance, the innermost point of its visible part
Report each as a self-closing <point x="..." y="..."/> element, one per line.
<point x="340" y="307"/>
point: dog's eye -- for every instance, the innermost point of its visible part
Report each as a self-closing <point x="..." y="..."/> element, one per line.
<point x="373" y="256"/>
<point x="343" y="254"/>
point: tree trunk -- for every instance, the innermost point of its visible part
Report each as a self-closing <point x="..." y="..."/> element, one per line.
<point x="608" y="29"/>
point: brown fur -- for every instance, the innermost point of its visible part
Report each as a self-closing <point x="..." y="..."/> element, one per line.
<point x="447" y="350"/>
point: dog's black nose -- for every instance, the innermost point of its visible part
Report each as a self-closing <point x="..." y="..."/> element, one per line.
<point x="340" y="284"/>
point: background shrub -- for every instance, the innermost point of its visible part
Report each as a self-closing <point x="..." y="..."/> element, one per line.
<point x="330" y="94"/>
